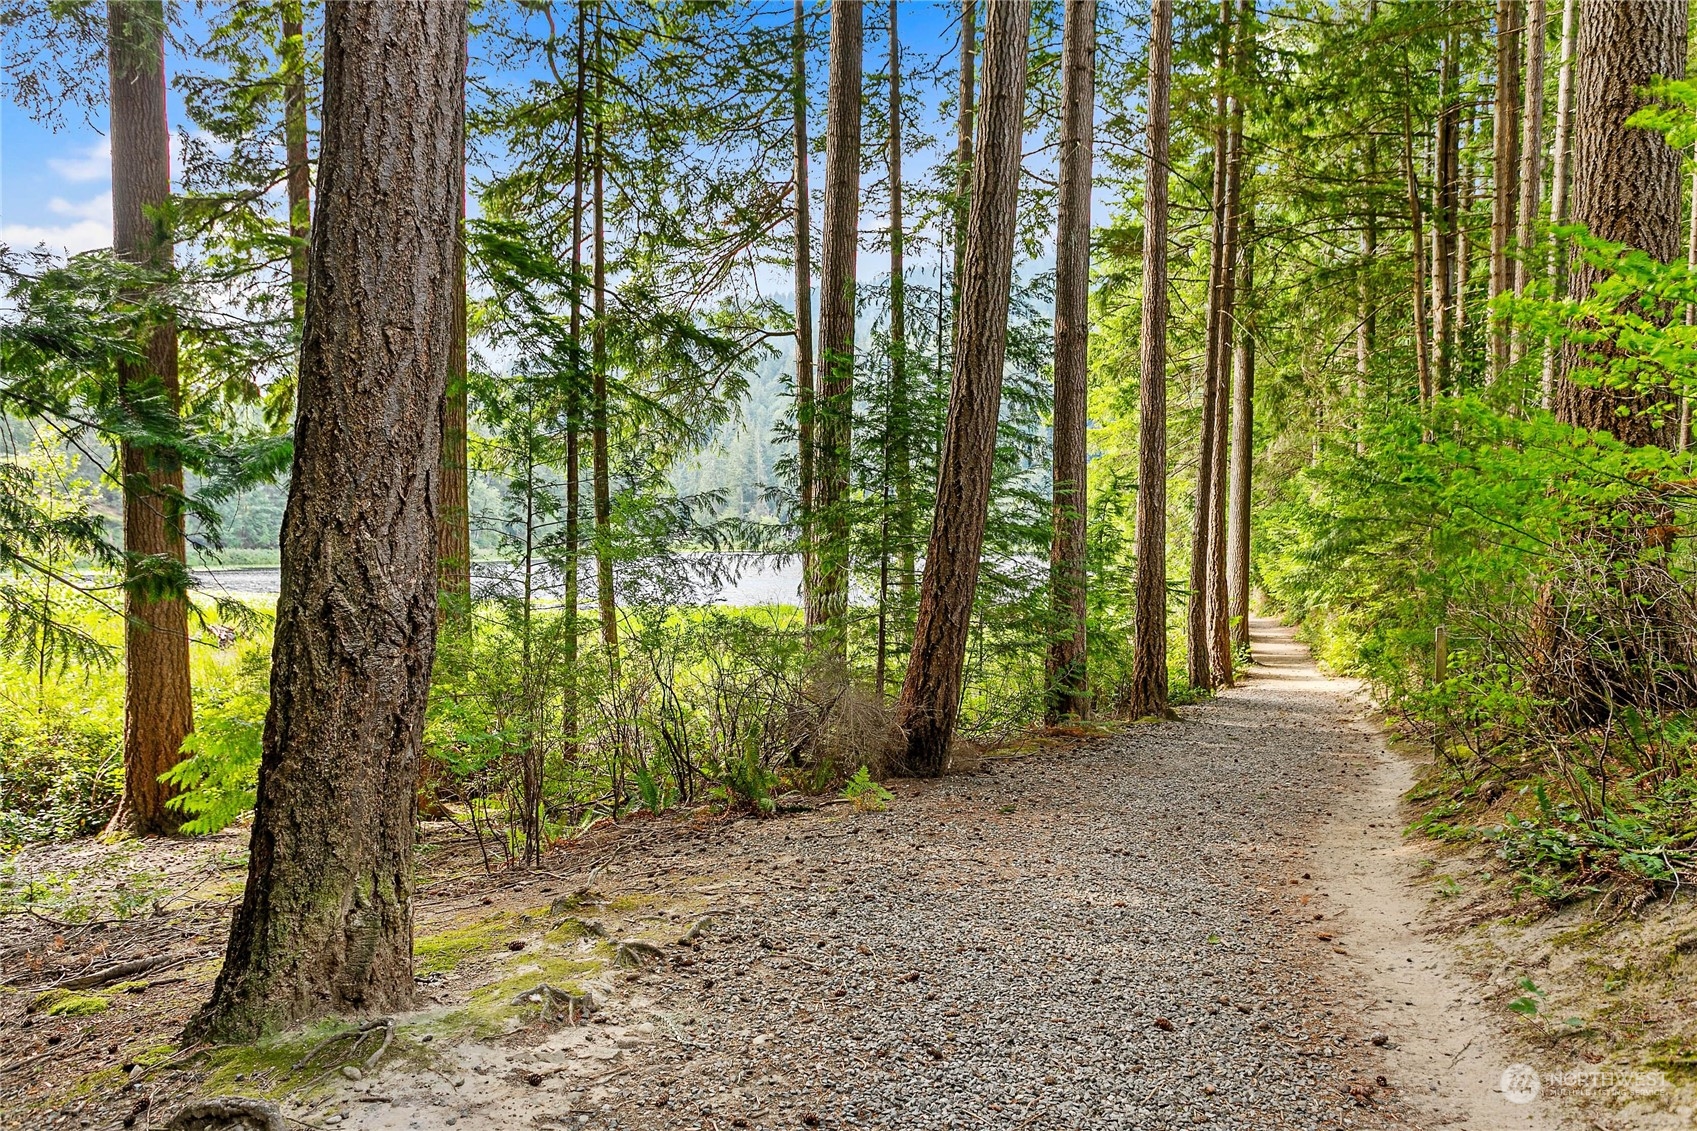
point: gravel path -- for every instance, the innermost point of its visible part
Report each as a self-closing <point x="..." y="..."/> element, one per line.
<point x="1119" y="934"/>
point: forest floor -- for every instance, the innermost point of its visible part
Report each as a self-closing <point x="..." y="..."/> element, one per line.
<point x="1210" y="922"/>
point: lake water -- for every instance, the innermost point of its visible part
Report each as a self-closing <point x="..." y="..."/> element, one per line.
<point x="738" y="580"/>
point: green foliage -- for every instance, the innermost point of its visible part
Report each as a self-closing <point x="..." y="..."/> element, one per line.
<point x="1528" y="1003"/>
<point x="743" y="781"/>
<point x="219" y="779"/>
<point x="868" y="796"/>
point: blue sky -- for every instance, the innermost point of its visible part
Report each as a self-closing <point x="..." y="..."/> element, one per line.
<point x="55" y="187"/>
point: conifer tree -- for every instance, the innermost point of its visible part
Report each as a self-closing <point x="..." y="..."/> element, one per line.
<point x="158" y="707"/>
<point x="930" y="700"/>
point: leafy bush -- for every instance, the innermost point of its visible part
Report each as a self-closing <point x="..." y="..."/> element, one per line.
<point x="219" y="779"/>
<point x="61" y="772"/>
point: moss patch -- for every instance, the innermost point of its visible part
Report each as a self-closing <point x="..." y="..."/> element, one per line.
<point x="267" y="1066"/>
<point x="441" y="952"/>
<point x="69" y="1003"/>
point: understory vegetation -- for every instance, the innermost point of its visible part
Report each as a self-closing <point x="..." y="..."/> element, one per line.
<point x="1340" y="258"/>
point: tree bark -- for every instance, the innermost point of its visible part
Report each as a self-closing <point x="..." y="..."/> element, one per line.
<point x="1684" y="442"/>
<point x="1198" y="638"/>
<point x="963" y="133"/>
<point x="1505" y="170"/>
<point x="600" y="454"/>
<point x="325" y="923"/>
<point x="803" y="306"/>
<point x="1243" y="440"/>
<point x="1560" y="159"/>
<point x="898" y="430"/>
<point x="295" y="152"/>
<point x="1626" y="189"/>
<point x="158" y="707"/>
<point x="1219" y="616"/>
<point x="453" y="520"/>
<point x="573" y="532"/>
<point x="834" y="409"/>
<point x="1422" y="346"/>
<point x="1531" y="161"/>
<point x="1445" y="213"/>
<point x="1366" y="319"/>
<point x="1147" y="695"/>
<point x="1069" y="689"/>
<point x="930" y="701"/>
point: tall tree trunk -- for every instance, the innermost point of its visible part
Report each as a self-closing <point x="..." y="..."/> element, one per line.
<point x="1366" y="317"/>
<point x="600" y="456"/>
<point x="803" y="307"/>
<point x="930" y="701"/>
<point x="901" y="397"/>
<point x="1243" y="441"/>
<point x="325" y="924"/>
<point x="573" y="524"/>
<point x="1422" y="346"/>
<point x="1069" y="692"/>
<point x="1219" y="615"/>
<point x="1197" y="652"/>
<point x="1147" y="695"/>
<point x="1626" y="188"/>
<point x="1505" y="169"/>
<point x="1531" y="161"/>
<point x="963" y="133"/>
<point x="835" y="406"/>
<point x="453" y="517"/>
<point x="1560" y="158"/>
<point x="295" y="153"/>
<point x="1444" y="219"/>
<point x="1199" y="668"/>
<point x="1463" y="245"/>
<point x="158" y="708"/>
<point x="1684" y="440"/>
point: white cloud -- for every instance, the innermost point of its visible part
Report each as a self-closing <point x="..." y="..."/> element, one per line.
<point x="83" y="235"/>
<point x="97" y="208"/>
<point x="94" y="163"/>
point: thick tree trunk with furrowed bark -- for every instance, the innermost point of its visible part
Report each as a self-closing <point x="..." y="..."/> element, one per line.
<point x="827" y="611"/>
<point x="1069" y="692"/>
<point x="963" y="132"/>
<point x="325" y="923"/>
<point x="930" y="701"/>
<point x="1626" y="188"/>
<point x="158" y="708"/>
<point x="1147" y="695"/>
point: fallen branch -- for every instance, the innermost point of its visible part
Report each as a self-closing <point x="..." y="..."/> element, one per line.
<point x="118" y="971"/>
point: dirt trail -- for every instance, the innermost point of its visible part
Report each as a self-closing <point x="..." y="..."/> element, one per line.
<point x="1200" y="923"/>
<point x="1210" y="922"/>
<point x="1447" y="1046"/>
